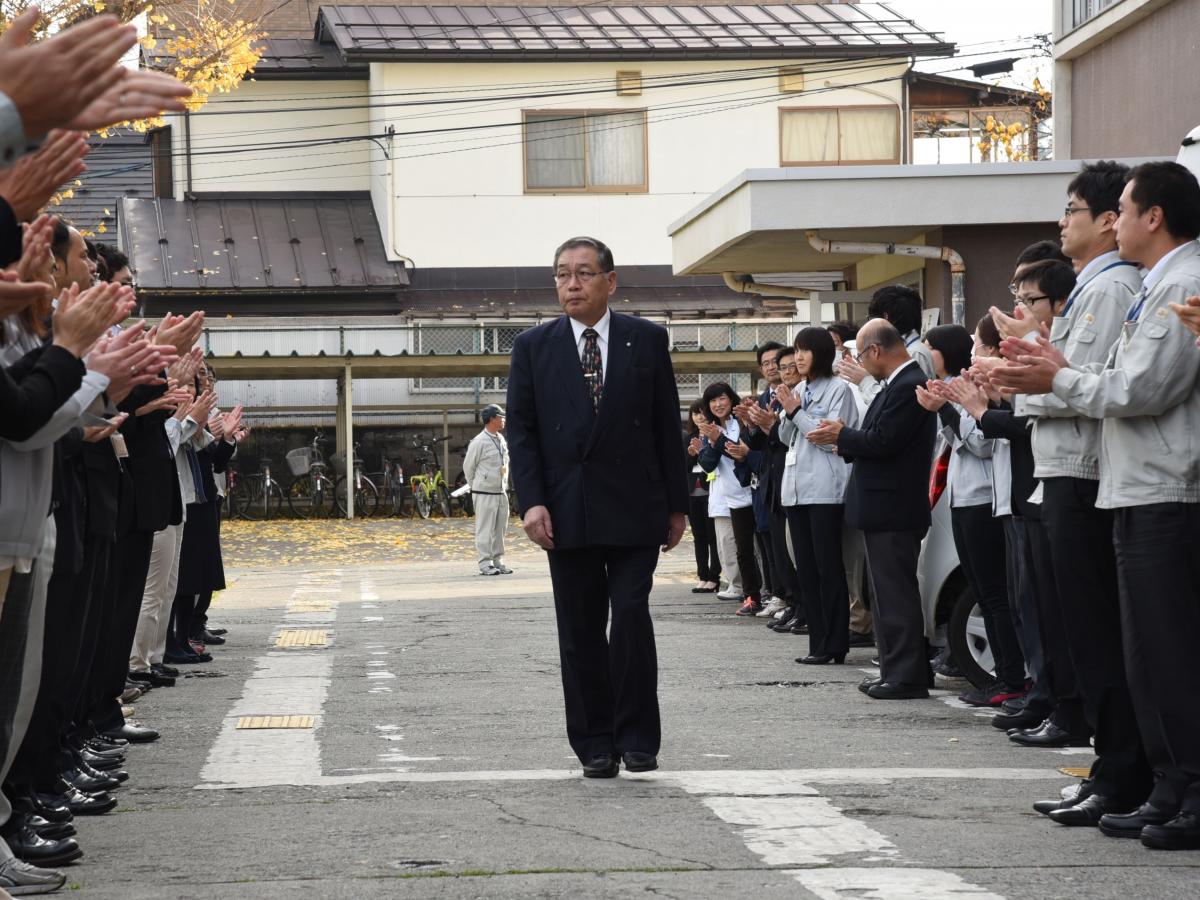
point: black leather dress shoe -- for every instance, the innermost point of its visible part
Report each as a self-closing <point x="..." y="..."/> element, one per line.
<point x="81" y="781"/>
<point x="603" y="765"/>
<point x="1027" y="718"/>
<point x="1049" y="735"/>
<point x="152" y="678"/>
<point x="1045" y="807"/>
<point x="1181" y="833"/>
<point x="799" y="628"/>
<point x="52" y="809"/>
<point x="219" y="632"/>
<point x="209" y="637"/>
<point x="135" y="734"/>
<point x="782" y="625"/>
<point x="84" y="804"/>
<point x="1130" y="825"/>
<point x="51" y="831"/>
<point x="867" y="683"/>
<point x="1087" y="812"/>
<point x="103" y="744"/>
<point x="27" y="845"/>
<point x="821" y="660"/>
<point x="897" y="691"/>
<point x="101" y="763"/>
<point x="636" y="761"/>
<point x="164" y="670"/>
<point x="858" y="639"/>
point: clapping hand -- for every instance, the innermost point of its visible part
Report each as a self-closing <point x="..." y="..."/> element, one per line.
<point x="202" y="406"/>
<point x="710" y="430"/>
<point x="1018" y="325"/>
<point x="1034" y="369"/>
<point x="693" y="448"/>
<point x="1189" y="313"/>
<point x="851" y="370"/>
<point x="82" y="317"/>
<point x="180" y="332"/>
<point x="31" y="182"/>
<point x="737" y="450"/>
<point x="787" y="399"/>
<point x="93" y="434"/>
<point x="827" y="432"/>
<point x="128" y="362"/>
<point x="966" y="394"/>
<point x="928" y="397"/>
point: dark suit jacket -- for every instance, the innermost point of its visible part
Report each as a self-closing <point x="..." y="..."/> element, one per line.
<point x="611" y="478"/>
<point x="892" y="454"/>
<point x="156" y="499"/>
<point x="33" y="387"/>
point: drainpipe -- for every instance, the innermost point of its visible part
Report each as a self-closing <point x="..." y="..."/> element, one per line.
<point x="745" y="284"/>
<point x="187" y="142"/>
<point x="958" y="269"/>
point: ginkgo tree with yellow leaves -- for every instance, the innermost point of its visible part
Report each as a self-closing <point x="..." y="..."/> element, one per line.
<point x="209" y="45"/>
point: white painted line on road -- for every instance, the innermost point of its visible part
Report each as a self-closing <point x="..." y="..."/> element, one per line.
<point x="889" y="884"/>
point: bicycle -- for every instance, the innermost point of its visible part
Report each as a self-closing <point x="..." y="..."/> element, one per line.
<point x="311" y="494"/>
<point x="395" y="495"/>
<point x="430" y="486"/>
<point x="366" y="494"/>
<point x="258" y="496"/>
<point x="465" y="502"/>
<point x="229" y="510"/>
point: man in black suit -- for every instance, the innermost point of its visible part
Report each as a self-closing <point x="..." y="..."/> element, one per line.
<point x="593" y="425"/>
<point x="888" y="499"/>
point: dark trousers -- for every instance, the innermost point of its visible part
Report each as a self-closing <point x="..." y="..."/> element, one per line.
<point x="610" y="685"/>
<point x="899" y="621"/>
<point x="784" y="581"/>
<point x="979" y="539"/>
<point x="766" y="553"/>
<point x="1022" y="606"/>
<point x="67" y="639"/>
<point x="1085" y="572"/>
<point x="704" y="540"/>
<point x="744" y="527"/>
<point x="1158" y="573"/>
<point x="127" y="582"/>
<point x="1058" y="670"/>
<point x="817" y="542"/>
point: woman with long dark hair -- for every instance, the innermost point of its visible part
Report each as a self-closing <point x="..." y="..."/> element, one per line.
<point x="704" y="535"/>
<point x="978" y="536"/>
<point x="730" y="503"/>
<point x="813" y="491"/>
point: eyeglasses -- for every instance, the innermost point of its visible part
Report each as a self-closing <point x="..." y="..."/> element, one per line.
<point x="768" y="362"/>
<point x="584" y="276"/>
<point x="1071" y="210"/>
<point x="1029" y="301"/>
<point x="862" y="351"/>
<point x="788" y="367"/>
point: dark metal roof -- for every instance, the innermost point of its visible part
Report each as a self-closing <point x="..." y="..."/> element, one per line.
<point x="284" y="58"/>
<point x="266" y="244"/>
<point x="983" y="87"/>
<point x="498" y="33"/>
<point x="120" y="165"/>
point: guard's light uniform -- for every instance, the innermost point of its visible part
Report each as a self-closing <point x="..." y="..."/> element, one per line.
<point x="486" y="468"/>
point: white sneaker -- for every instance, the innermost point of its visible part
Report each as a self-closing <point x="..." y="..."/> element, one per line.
<point x="730" y="594"/>
<point x="489" y="570"/>
<point x="772" y="607"/>
<point x="20" y="878"/>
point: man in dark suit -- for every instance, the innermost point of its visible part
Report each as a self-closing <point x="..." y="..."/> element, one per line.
<point x="887" y="498"/>
<point x="593" y="425"/>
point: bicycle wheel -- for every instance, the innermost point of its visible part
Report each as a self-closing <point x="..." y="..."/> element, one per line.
<point x="423" y="502"/>
<point x="366" y="498"/>
<point x="400" y="499"/>
<point x="272" y="501"/>
<point x="245" y="498"/>
<point x="467" y="504"/>
<point x="443" y="500"/>
<point x="310" y="497"/>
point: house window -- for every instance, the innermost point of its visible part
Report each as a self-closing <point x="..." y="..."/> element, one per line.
<point x="963" y="135"/>
<point x="586" y="151"/>
<point x="851" y="135"/>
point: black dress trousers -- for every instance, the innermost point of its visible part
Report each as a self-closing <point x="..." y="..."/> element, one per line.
<point x="610" y="684"/>
<point x="899" y="621"/>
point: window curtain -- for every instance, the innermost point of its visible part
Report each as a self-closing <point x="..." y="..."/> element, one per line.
<point x="868" y="134"/>
<point x="616" y="149"/>
<point x="554" y="150"/>
<point x="810" y="136"/>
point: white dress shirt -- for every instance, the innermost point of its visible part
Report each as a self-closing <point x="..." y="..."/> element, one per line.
<point x="601" y="329"/>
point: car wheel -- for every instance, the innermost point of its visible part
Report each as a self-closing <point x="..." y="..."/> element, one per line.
<point x="967" y="636"/>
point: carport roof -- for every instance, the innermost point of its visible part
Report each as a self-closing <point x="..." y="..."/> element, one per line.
<point x="265" y="244"/>
<point x="757" y="222"/>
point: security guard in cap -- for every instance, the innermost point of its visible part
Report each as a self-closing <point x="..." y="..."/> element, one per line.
<point x="486" y="468"/>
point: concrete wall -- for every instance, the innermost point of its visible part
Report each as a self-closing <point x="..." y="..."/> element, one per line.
<point x="1138" y="93"/>
<point x="261" y="113"/>
<point x="459" y="198"/>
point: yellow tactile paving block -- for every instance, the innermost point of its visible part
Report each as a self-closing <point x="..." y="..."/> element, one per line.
<point x="276" y="722"/>
<point x="1074" y="772"/>
<point x="310" y="606"/>
<point x="292" y="638"/>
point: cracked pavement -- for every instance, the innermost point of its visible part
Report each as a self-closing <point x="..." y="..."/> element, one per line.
<point x="439" y="675"/>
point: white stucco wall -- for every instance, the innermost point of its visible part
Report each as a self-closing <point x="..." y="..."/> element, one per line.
<point x="459" y="197"/>
<point x="261" y="113"/>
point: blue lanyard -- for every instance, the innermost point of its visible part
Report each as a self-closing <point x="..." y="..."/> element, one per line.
<point x="1078" y="288"/>
<point x="1136" y="309"/>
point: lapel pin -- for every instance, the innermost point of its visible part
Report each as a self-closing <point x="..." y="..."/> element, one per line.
<point x="628" y="343"/>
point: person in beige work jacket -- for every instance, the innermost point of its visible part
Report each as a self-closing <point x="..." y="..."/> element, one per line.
<point x="486" y="468"/>
<point x="1148" y="395"/>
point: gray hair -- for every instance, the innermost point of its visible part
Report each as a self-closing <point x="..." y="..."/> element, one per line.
<point x="603" y="254"/>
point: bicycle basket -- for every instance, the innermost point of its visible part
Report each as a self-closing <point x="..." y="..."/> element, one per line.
<point x="299" y="460"/>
